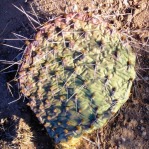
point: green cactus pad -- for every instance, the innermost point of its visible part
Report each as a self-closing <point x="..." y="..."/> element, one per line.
<point x="77" y="73"/>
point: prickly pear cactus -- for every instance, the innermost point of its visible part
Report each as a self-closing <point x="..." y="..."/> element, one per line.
<point x="77" y="73"/>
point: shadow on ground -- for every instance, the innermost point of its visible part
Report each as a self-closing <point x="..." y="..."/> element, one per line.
<point x="13" y="21"/>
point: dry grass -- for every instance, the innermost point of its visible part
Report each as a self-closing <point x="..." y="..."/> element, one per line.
<point x="24" y="136"/>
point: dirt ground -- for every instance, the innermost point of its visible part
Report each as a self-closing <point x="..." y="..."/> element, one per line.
<point x="19" y="128"/>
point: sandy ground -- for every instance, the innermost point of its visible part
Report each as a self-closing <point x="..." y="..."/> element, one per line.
<point x="19" y="128"/>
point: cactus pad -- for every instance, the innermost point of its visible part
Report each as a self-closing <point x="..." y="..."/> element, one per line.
<point x="77" y="73"/>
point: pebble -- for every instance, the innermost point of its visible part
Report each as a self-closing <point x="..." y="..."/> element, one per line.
<point x="141" y="121"/>
<point x="2" y="121"/>
<point x="144" y="133"/>
<point x="123" y="139"/>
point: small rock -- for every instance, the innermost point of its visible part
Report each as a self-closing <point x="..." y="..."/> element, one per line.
<point x="123" y="139"/>
<point x="141" y="121"/>
<point x="2" y="121"/>
<point x="144" y="133"/>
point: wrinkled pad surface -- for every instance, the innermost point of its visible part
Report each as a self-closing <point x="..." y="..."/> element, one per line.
<point x="77" y="74"/>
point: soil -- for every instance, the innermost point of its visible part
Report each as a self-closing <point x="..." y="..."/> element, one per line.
<point x="19" y="128"/>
